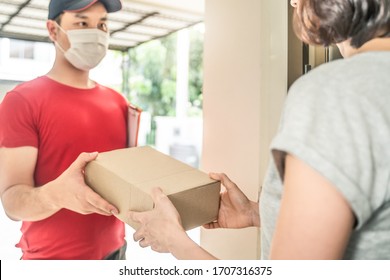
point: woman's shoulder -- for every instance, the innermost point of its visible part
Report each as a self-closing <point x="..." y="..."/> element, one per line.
<point x="351" y="75"/>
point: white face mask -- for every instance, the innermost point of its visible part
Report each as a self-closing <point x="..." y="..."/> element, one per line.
<point x="87" y="47"/>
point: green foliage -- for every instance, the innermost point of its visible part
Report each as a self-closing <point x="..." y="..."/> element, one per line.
<point x="152" y="74"/>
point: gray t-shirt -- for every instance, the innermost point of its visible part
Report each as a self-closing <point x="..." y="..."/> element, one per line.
<point x="337" y="120"/>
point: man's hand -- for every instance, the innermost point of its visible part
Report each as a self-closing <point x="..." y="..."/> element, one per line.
<point x="70" y="191"/>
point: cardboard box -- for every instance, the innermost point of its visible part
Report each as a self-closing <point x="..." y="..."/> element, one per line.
<point x="126" y="177"/>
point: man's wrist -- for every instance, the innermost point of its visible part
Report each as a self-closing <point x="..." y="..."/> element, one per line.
<point x="48" y="194"/>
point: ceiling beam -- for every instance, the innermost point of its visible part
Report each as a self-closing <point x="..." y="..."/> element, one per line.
<point x="21" y="7"/>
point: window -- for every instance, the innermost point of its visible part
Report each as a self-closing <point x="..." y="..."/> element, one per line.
<point x="21" y="49"/>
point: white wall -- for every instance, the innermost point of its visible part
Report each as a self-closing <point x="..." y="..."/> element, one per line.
<point x="6" y="86"/>
<point x="245" y="85"/>
<point x="18" y="69"/>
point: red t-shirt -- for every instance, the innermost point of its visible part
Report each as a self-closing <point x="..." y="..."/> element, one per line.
<point x="62" y="122"/>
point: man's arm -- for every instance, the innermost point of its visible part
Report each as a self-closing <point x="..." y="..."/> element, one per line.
<point x="23" y="201"/>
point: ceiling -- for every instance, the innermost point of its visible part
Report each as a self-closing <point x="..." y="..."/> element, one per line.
<point x="139" y="21"/>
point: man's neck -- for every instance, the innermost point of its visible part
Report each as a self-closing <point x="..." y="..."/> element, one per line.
<point x="64" y="73"/>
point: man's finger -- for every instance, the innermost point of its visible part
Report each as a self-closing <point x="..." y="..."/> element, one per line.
<point x="83" y="159"/>
<point x="94" y="210"/>
<point x="101" y="204"/>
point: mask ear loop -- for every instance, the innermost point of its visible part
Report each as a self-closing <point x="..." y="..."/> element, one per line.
<point x="55" y="42"/>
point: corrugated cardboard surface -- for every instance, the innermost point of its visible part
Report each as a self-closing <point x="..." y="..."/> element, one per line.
<point x="126" y="177"/>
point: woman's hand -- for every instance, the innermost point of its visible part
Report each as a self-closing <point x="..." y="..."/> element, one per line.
<point x="236" y="210"/>
<point x="159" y="227"/>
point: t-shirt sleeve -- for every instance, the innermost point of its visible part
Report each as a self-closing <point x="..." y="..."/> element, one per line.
<point x="17" y="122"/>
<point x="330" y="132"/>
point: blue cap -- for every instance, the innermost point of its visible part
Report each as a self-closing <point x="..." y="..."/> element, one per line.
<point x="56" y="7"/>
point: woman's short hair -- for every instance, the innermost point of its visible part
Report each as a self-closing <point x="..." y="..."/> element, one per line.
<point x="326" y="22"/>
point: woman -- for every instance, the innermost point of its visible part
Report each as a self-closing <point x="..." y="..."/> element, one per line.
<point x="327" y="191"/>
